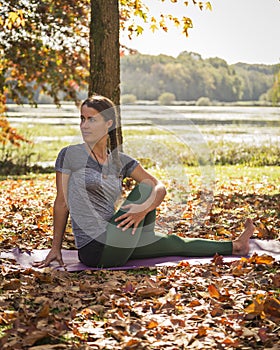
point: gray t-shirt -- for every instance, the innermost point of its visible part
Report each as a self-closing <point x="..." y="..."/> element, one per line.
<point x="93" y="190"/>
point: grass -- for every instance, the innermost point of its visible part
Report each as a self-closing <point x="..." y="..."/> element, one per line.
<point x="168" y="151"/>
<point x="161" y="148"/>
<point x="258" y="174"/>
<point x="183" y="183"/>
<point x="3" y="329"/>
<point x="267" y="177"/>
<point x="37" y="130"/>
<point x="47" y="151"/>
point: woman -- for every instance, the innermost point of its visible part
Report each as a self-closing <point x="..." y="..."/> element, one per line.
<point x="89" y="182"/>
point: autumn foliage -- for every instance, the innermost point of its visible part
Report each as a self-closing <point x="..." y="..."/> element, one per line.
<point x="219" y="305"/>
<point x="45" y="44"/>
<point x="41" y="50"/>
<point x="7" y="132"/>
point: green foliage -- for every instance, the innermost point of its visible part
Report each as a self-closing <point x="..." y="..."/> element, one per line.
<point x="167" y="98"/>
<point x="169" y="153"/>
<point x="274" y="93"/>
<point x="189" y="77"/>
<point x="17" y="160"/>
<point x="159" y="151"/>
<point x="44" y="99"/>
<point x="231" y="153"/>
<point x="203" y="101"/>
<point x="128" y="99"/>
<point x="256" y="79"/>
<point x="36" y="155"/>
<point x="259" y="175"/>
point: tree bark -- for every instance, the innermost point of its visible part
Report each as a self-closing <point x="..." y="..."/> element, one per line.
<point x="105" y="53"/>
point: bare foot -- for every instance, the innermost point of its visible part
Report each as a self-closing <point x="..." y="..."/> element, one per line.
<point x="240" y="246"/>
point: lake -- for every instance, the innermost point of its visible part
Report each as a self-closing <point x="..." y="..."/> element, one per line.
<point x="254" y="125"/>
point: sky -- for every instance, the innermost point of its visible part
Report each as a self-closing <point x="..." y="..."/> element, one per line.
<point x="235" y="30"/>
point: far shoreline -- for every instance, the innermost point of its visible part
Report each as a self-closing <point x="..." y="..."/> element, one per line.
<point x="157" y="103"/>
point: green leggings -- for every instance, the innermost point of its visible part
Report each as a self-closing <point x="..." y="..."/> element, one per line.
<point x="121" y="245"/>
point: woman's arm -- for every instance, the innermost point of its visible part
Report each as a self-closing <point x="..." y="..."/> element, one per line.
<point x="60" y="217"/>
<point x="158" y="193"/>
<point x="137" y="212"/>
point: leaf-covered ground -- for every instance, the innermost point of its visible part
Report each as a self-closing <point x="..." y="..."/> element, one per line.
<point x="215" y="306"/>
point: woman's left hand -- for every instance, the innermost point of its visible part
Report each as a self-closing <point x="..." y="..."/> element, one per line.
<point x="134" y="215"/>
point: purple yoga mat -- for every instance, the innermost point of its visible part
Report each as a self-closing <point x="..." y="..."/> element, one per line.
<point x="70" y="257"/>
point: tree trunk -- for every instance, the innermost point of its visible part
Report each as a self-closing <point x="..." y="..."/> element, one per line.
<point x="105" y="53"/>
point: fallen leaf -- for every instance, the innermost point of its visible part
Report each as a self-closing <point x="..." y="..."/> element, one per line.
<point x="34" y="336"/>
<point x="271" y="308"/>
<point x="276" y="280"/>
<point x="13" y="284"/>
<point x="152" y="324"/>
<point x="49" y="347"/>
<point x="262" y="259"/>
<point x="151" y="292"/>
<point x="202" y="331"/>
<point x="44" y="311"/>
<point x="213" y="291"/>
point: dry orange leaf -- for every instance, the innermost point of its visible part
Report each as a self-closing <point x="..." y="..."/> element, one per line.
<point x="151" y="292"/>
<point x="152" y="324"/>
<point x="217" y="311"/>
<point x="194" y="303"/>
<point x="262" y="259"/>
<point x="131" y="344"/>
<point x="184" y="263"/>
<point x="272" y="308"/>
<point x="231" y="342"/>
<point x="202" y="331"/>
<point x="213" y="291"/>
<point x="45" y="310"/>
<point x="256" y="307"/>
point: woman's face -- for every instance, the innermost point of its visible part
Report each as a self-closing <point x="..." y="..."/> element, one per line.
<point x="93" y="125"/>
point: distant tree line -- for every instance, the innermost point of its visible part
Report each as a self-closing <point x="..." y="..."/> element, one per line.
<point x="189" y="77"/>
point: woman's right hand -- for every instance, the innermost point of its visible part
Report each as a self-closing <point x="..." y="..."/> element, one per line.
<point x="54" y="255"/>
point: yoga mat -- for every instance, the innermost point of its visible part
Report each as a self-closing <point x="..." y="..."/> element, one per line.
<point x="70" y="257"/>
